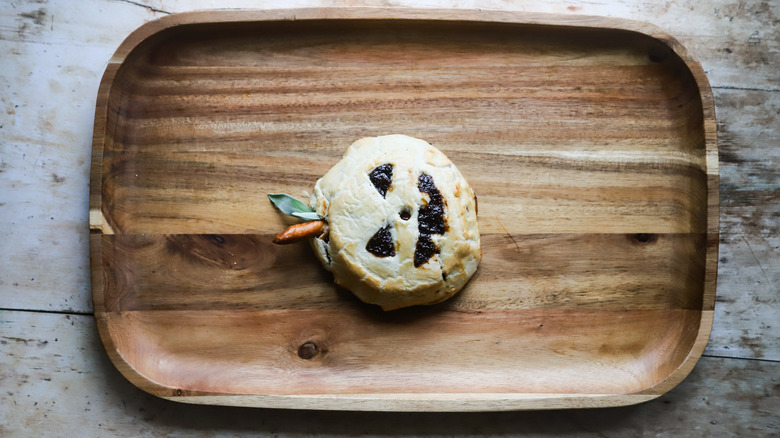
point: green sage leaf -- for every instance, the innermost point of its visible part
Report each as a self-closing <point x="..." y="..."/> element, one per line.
<point x="307" y="216"/>
<point x="293" y="207"/>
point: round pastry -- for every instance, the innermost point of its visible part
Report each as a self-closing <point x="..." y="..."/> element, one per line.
<point x="401" y="223"/>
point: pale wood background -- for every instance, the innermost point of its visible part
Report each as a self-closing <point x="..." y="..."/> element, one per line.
<point x="56" y="380"/>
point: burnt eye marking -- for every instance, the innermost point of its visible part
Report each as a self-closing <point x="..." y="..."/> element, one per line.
<point x="381" y="177"/>
<point x="381" y="243"/>
<point x="430" y="220"/>
<point x="405" y="214"/>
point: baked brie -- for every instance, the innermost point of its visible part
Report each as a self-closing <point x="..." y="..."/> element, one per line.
<point x="401" y="223"/>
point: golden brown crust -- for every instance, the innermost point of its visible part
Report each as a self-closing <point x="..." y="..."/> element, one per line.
<point x="356" y="210"/>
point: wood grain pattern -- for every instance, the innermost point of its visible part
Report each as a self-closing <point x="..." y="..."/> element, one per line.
<point x="590" y="143"/>
<point x="533" y="271"/>
<point x="557" y="134"/>
<point x="512" y="351"/>
<point x="46" y="357"/>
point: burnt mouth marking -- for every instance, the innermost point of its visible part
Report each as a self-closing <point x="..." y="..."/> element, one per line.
<point x="430" y="220"/>
<point x="381" y="243"/>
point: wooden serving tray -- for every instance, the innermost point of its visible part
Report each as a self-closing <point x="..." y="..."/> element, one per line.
<point x="590" y="142"/>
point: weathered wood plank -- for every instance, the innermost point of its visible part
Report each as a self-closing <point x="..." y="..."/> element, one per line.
<point x="57" y="380"/>
<point x="52" y="64"/>
<point x="747" y="310"/>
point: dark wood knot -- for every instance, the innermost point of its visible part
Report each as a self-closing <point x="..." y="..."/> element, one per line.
<point x="308" y="350"/>
<point x="644" y="238"/>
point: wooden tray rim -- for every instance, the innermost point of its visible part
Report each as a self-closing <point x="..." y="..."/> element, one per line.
<point x="426" y="402"/>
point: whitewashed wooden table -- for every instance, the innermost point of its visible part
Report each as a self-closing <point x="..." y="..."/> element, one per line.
<point x="56" y="379"/>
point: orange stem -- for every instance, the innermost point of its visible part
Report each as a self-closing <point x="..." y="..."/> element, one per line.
<point x="298" y="232"/>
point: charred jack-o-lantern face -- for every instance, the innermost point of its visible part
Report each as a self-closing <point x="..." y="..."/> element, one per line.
<point x="430" y="219"/>
<point x="402" y="223"/>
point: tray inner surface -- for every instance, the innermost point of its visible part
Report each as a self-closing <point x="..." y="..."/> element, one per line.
<point x="585" y="148"/>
